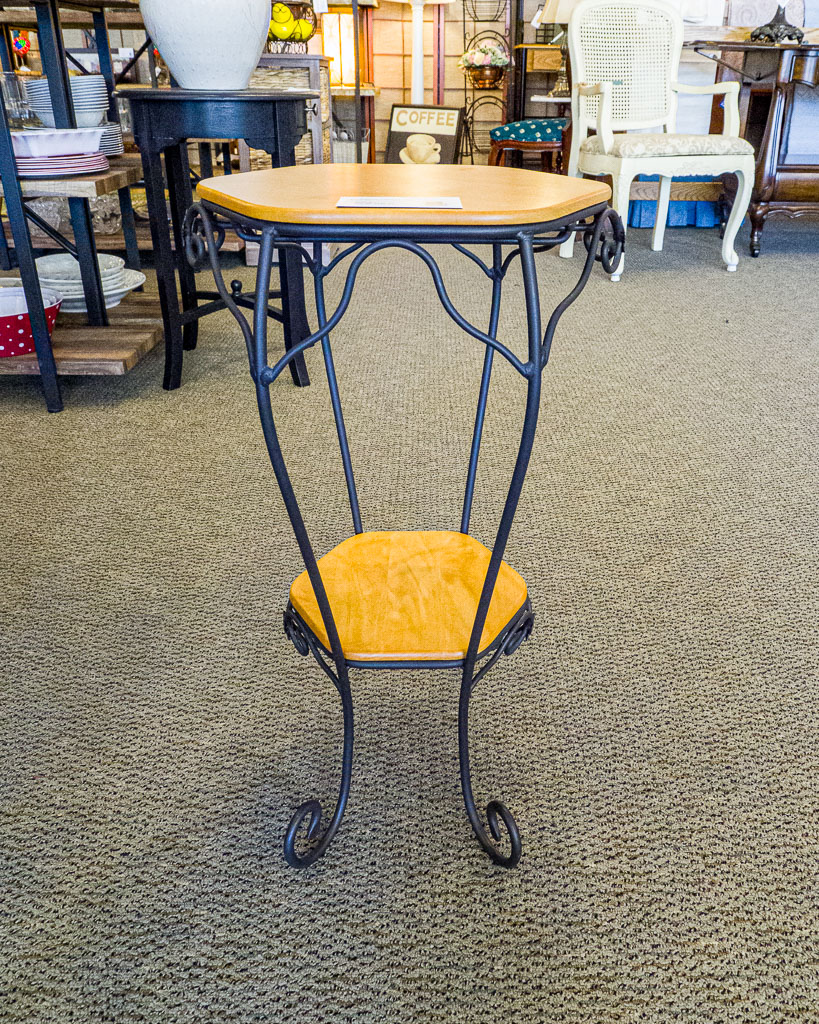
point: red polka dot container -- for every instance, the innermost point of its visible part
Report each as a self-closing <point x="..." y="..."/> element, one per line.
<point x="16" y="338"/>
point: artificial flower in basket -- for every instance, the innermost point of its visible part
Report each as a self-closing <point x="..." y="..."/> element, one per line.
<point x="485" y="64"/>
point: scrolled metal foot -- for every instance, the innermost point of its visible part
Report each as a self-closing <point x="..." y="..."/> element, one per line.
<point x="497" y="813"/>
<point x="313" y="843"/>
<point x="311" y="808"/>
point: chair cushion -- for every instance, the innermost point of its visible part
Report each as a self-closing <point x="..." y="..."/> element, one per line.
<point x="544" y="129"/>
<point x="408" y="595"/>
<point x="637" y="144"/>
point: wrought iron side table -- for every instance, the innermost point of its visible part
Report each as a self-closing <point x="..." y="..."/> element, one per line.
<point x="164" y="120"/>
<point x="401" y="599"/>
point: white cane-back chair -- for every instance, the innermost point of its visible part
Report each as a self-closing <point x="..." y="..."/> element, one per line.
<point x="624" y="58"/>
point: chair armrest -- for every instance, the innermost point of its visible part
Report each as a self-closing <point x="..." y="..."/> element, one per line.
<point x="603" y="90"/>
<point x="730" y="124"/>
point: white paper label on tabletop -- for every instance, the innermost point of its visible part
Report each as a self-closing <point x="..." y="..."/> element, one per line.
<point x="402" y="202"/>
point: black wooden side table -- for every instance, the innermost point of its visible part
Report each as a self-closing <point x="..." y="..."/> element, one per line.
<point x="164" y="120"/>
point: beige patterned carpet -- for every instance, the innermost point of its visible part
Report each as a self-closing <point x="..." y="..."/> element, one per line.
<point x="656" y="738"/>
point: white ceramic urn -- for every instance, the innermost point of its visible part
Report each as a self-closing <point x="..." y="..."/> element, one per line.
<point x="208" y="44"/>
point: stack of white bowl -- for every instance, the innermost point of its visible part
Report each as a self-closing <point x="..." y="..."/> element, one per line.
<point x="61" y="273"/>
<point x="89" y="93"/>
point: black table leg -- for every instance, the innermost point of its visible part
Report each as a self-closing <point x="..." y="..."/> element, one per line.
<point x="164" y="262"/>
<point x="205" y="160"/>
<point x="296" y="328"/>
<point x="226" y="158"/>
<point x="291" y="275"/>
<point x="181" y="197"/>
<point x="132" y="257"/>
<point x="83" y="226"/>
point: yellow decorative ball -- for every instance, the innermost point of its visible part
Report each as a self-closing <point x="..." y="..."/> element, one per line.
<point x="279" y="30"/>
<point x="302" y="31"/>
<point x="281" y="14"/>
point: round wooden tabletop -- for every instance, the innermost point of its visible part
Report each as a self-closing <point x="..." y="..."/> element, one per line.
<point x="490" y="196"/>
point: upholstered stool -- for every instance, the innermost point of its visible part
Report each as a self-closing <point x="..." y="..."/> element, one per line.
<point x="544" y="135"/>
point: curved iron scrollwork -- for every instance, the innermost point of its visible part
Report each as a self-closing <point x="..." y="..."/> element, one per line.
<point x="195" y="236"/>
<point x="201" y="238"/>
<point x="296" y="632"/>
<point x="305" y="643"/>
<point x="608" y="237"/>
<point x="518" y="633"/>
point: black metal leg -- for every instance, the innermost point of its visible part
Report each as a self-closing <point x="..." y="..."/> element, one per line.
<point x="52" y="54"/>
<point x="311" y="809"/>
<point x="132" y="257"/>
<point x="28" y="267"/>
<point x="82" y="224"/>
<point x="165" y="267"/>
<point x="483" y="395"/>
<point x="106" y="63"/>
<point x="5" y="257"/>
<point x="5" y="49"/>
<point x="495" y="810"/>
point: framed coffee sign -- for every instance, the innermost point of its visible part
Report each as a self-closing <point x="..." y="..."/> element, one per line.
<point x="424" y="135"/>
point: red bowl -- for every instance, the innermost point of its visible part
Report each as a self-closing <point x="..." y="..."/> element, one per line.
<point x="16" y="337"/>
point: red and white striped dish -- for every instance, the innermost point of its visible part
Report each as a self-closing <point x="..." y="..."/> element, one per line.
<point x="58" y="166"/>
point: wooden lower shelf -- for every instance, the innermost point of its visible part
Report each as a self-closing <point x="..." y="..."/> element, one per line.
<point x="136" y="329"/>
<point x="116" y="243"/>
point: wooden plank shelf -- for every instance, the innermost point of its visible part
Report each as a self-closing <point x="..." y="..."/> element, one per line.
<point x="136" y="329"/>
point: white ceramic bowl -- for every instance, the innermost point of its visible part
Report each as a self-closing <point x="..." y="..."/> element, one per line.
<point x="84" y="118"/>
<point x="74" y="289"/>
<point x="13" y="300"/>
<point x="59" y="142"/>
<point x="62" y="266"/>
<point x="132" y="279"/>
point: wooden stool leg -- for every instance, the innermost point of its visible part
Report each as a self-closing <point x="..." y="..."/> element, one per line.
<point x="497" y="155"/>
<point x="565" y="148"/>
<point x="546" y="160"/>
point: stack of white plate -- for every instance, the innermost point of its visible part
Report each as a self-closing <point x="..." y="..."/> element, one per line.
<point x="61" y="273"/>
<point x="111" y="143"/>
<point x="61" y="166"/>
<point x="89" y="93"/>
